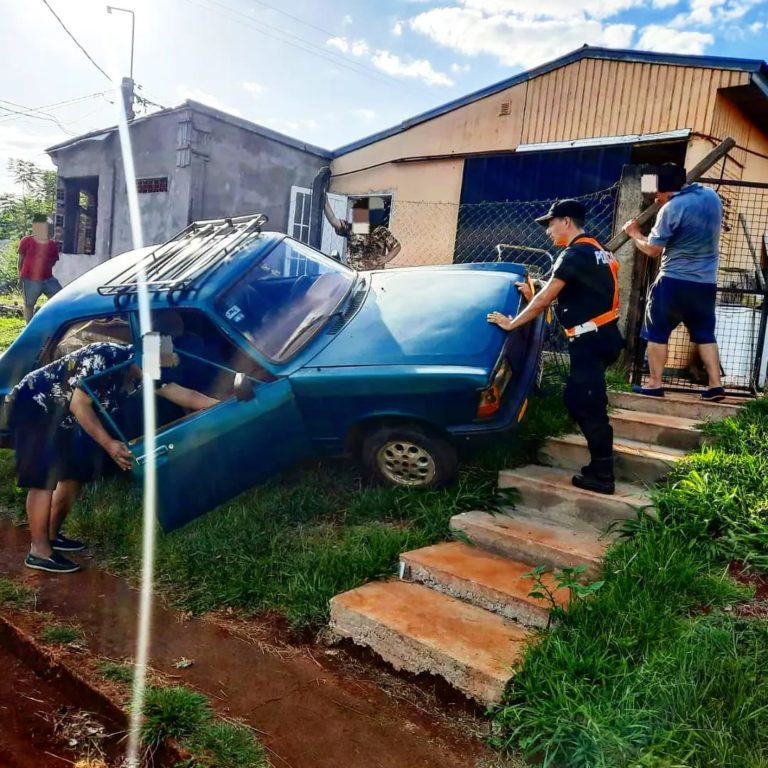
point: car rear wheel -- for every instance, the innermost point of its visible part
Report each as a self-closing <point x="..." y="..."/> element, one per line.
<point x="408" y="456"/>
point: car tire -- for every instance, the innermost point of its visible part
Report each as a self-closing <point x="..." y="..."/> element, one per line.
<point x="408" y="456"/>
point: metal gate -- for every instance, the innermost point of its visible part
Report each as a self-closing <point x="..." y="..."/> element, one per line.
<point x="741" y="310"/>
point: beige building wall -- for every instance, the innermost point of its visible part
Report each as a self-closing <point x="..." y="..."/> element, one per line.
<point x="422" y="165"/>
<point x="425" y="209"/>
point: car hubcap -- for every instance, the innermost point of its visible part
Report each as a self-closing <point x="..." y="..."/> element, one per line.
<point x="405" y="463"/>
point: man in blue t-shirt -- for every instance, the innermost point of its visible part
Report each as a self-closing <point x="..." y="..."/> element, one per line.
<point x="47" y="406"/>
<point x="687" y="237"/>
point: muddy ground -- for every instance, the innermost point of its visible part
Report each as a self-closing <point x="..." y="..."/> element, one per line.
<point x="42" y="723"/>
<point x="313" y="707"/>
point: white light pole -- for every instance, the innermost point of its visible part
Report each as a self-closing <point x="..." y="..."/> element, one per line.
<point x="111" y="8"/>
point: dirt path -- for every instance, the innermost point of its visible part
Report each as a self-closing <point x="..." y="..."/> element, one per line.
<point x="311" y="711"/>
<point x="41" y="724"/>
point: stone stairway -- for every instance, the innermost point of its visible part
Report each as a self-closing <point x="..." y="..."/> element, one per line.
<point x="462" y="611"/>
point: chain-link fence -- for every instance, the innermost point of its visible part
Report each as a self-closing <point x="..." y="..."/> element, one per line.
<point x="446" y="233"/>
<point x="740" y="312"/>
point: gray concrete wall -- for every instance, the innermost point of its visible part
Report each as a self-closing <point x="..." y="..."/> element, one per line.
<point x="249" y="173"/>
<point x="215" y="168"/>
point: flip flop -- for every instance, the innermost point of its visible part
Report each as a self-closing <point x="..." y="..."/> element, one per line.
<point x="648" y="391"/>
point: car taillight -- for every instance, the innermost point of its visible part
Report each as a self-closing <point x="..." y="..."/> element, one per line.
<point x="490" y="397"/>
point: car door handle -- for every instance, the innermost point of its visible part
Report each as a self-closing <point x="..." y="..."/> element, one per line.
<point x="161" y="450"/>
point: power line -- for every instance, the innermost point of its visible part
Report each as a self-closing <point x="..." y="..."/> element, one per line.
<point x="27" y="113"/>
<point x="295" y="18"/>
<point x="55" y="105"/>
<point x="314" y="50"/>
<point x="64" y="27"/>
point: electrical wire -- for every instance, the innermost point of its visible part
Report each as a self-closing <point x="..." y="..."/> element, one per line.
<point x="74" y="39"/>
<point x="314" y="50"/>
<point x="57" y="104"/>
<point x="50" y="119"/>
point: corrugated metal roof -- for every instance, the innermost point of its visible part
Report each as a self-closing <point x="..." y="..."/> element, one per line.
<point x="757" y="67"/>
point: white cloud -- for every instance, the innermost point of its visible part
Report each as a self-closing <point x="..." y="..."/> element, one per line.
<point x="355" y="47"/>
<point x="756" y="27"/>
<point x="458" y="68"/>
<point x="397" y="28"/>
<point x="366" y="115"/>
<point x="419" y="69"/>
<point x="391" y="63"/>
<point x="655" y="37"/>
<point x="346" y="21"/>
<point x="552" y="9"/>
<point x="255" y="89"/>
<point x="710" y="13"/>
<point x="514" y="40"/>
<point x="664" y="3"/>
<point x="184" y="92"/>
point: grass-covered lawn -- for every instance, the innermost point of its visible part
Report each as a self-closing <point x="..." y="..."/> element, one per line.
<point x="657" y="668"/>
<point x="291" y="545"/>
<point x="10" y="328"/>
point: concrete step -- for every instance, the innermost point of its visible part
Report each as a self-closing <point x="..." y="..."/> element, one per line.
<point x="550" y="490"/>
<point x="684" y="406"/>
<point x="634" y="461"/>
<point x="656" y="428"/>
<point x="417" y="629"/>
<point x="482" y="578"/>
<point x="525" y="536"/>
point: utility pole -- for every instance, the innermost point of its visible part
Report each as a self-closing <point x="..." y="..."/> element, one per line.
<point x="127" y="85"/>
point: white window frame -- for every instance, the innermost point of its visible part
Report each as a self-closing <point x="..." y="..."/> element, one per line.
<point x="301" y="199"/>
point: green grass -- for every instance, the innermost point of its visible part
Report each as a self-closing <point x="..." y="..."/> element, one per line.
<point x="16" y="595"/>
<point x="653" y="670"/>
<point x="291" y="545"/>
<point x="225" y="745"/>
<point x="186" y="716"/>
<point x="116" y="672"/>
<point x="10" y="328"/>
<point x="59" y="634"/>
<point x="173" y="712"/>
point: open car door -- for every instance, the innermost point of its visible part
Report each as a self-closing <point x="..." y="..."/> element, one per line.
<point x="213" y="455"/>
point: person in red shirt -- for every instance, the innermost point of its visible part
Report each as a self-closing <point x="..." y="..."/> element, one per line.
<point x="37" y="255"/>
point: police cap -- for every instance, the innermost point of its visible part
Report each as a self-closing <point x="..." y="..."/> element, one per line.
<point x="574" y="209"/>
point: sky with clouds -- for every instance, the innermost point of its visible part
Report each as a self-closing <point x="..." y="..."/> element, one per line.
<point x="324" y="71"/>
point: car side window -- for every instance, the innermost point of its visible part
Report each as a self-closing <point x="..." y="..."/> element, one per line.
<point x="113" y="328"/>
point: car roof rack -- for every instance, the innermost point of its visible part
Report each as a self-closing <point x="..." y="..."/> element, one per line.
<point x="182" y="262"/>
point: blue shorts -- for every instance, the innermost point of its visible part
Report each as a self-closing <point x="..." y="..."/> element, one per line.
<point x="671" y="302"/>
<point x="46" y="452"/>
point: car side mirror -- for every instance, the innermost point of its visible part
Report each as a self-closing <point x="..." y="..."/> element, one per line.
<point x="245" y="389"/>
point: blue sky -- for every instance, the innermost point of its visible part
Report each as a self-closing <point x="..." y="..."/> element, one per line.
<point x="327" y="71"/>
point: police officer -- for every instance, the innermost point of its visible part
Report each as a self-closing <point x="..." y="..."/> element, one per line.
<point x="585" y="283"/>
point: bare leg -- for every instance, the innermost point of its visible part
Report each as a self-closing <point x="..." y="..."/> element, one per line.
<point x="711" y="359"/>
<point x="64" y="498"/>
<point x="39" y="516"/>
<point x="657" y="359"/>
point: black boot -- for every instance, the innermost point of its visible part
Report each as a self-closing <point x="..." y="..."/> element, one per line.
<point x="597" y="476"/>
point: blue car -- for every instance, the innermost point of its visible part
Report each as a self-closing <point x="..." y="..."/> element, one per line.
<point x="395" y="366"/>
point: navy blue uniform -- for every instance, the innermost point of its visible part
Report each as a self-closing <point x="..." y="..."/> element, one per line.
<point x="590" y="293"/>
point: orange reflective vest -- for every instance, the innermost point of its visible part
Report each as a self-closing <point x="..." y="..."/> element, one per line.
<point x="613" y="313"/>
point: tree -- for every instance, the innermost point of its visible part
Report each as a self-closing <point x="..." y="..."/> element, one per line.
<point x="37" y="195"/>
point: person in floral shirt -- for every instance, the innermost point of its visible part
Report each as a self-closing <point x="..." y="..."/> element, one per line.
<point x="48" y="407"/>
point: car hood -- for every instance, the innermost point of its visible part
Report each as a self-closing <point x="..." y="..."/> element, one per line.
<point x="427" y="317"/>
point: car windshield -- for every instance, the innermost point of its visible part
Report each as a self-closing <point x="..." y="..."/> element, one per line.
<point x="286" y="298"/>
